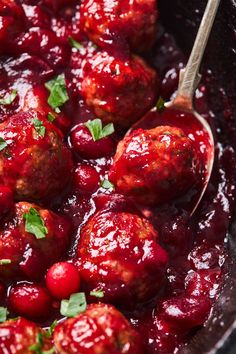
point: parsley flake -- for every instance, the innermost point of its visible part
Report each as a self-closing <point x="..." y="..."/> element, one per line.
<point x="74" y="306"/>
<point x="74" y="43"/>
<point x="37" y="347"/>
<point x="51" y="117"/>
<point x="160" y="104"/>
<point x="107" y="184"/>
<point x="3" y="144"/>
<point x="5" y="261"/>
<point x="96" y="129"/>
<point x="58" y="93"/>
<point x="97" y="293"/>
<point x="51" y="329"/>
<point x="35" y="224"/>
<point x="9" y="98"/>
<point x="3" y="314"/>
<point x="39" y="127"/>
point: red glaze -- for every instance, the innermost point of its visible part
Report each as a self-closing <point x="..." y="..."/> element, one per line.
<point x="31" y="163"/>
<point x="154" y="166"/>
<point x="83" y="144"/>
<point x="62" y="280"/>
<point x="57" y="5"/>
<point x="30" y="256"/>
<point x="101" y="329"/>
<point x="29" y="300"/>
<point x="17" y="336"/>
<point x="202" y="283"/>
<point x="119" y="90"/>
<point x="86" y="178"/>
<point x="6" y="199"/>
<point x="119" y="253"/>
<point x="110" y="21"/>
<point x="12" y="22"/>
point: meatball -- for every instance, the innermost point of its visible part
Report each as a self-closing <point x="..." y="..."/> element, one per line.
<point x="12" y="22"/>
<point x="34" y="163"/>
<point x="155" y="166"/>
<point x="19" y="336"/>
<point x="134" y="21"/>
<point x="27" y="254"/>
<point x="101" y="329"/>
<point x="118" y="90"/>
<point x="119" y="254"/>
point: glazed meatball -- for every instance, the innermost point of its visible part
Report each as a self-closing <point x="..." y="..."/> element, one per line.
<point x="118" y="90"/>
<point x="134" y="21"/>
<point x="155" y="166"/>
<point x="27" y="254"/>
<point x="34" y="163"/>
<point x="12" y="22"/>
<point x="101" y="329"/>
<point x="19" y="335"/>
<point x="118" y="253"/>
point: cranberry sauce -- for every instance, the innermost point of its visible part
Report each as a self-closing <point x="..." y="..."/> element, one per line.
<point x="196" y="246"/>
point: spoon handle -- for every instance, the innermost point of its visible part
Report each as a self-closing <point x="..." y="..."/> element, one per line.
<point x="189" y="77"/>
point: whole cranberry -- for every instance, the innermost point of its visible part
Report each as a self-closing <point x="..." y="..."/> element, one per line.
<point x="83" y="143"/>
<point x="86" y="178"/>
<point x="6" y="199"/>
<point x="62" y="280"/>
<point x="29" y="300"/>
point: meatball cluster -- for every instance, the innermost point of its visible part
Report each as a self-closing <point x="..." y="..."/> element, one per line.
<point x="119" y="90"/>
<point x="154" y="166"/>
<point x="26" y="254"/>
<point x="101" y="329"/>
<point x="118" y="253"/>
<point x="20" y="336"/>
<point x="134" y="21"/>
<point x="34" y="162"/>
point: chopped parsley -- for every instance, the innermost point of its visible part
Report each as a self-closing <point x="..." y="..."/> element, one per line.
<point x="39" y="127"/>
<point x="38" y="346"/>
<point x="96" y="129"/>
<point x="3" y="144"/>
<point x="160" y="104"/>
<point x="51" y="329"/>
<point x="107" y="184"/>
<point x="74" y="43"/>
<point x="97" y="293"/>
<point x="3" y="314"/>
<point x="35" y="224"/>
<point x="58" y="93"/>
<point x="5" y="261"/>
<point x="9" y="98"/>
<point x="51" y="117"/>
<point x="74" y="306"/>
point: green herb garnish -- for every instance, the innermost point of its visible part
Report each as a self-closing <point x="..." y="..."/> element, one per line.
<point x="96" y="129"/>
<point x="160" y="104"/>
<point x="74" y="43"/>
<point x="39" y="127"/>
<point x="3" y="314"/>
<point x="97" y="293"/>
<point x="35" y="224"/>
<point x="50" y="330"/>
<point x="58" y="93"/>
<point x="9" y="98"/>
<point x="37" y="347"/>
<point x="3" y="144"/>
<point x="107" y="184"/>
<point x="51" y="117"/>
<point x="74" y="306"/>
<point x="5" y="261"/>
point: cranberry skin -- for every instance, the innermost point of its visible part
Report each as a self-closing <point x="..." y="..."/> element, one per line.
<point x="118" y="253"/>
<point x="18" y="335"/>
<point x="62" y="280"/>
<point x="57" y="5"/>
<point x="100" y="329"/>
<point x="29" y="300"/>
<point x="86" y="178"/>
<point x="135" y="21"/>
<point x="186" y="311"/>
<point x="155" y="166"/>
<point x="83" y="143"/>
<point x="203" y="282"/>
<point x="6" y="199"/>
